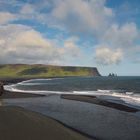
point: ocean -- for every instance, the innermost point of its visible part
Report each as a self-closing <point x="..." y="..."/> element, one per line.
<point x="120" y="89"/>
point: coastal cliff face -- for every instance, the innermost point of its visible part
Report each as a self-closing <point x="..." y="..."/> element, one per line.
<point x="24" y="70"/>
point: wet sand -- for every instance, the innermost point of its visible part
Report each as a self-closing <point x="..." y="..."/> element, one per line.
<point x="17" y="123"/>
<point x="95" y="100"/>
<point x="98" y="119"/>
<point x="11" y="95"/>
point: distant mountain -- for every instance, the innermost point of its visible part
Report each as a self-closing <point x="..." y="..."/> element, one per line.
<point x="38" y="70"/>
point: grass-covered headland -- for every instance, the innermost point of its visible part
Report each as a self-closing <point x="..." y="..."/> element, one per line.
<point x="37" y="70"/>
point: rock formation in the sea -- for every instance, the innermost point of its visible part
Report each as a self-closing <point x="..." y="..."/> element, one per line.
<point x="38" y="70"/>
<point x="1" y="88"/>
<point x="112" y="75"/>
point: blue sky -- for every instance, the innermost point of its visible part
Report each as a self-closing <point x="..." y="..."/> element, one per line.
<point x="96" y="33"/>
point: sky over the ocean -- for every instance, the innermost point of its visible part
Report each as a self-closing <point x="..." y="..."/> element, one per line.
<point x="96" y="33"/>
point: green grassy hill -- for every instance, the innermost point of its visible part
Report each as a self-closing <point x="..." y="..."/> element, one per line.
<point x="24" y="70"/>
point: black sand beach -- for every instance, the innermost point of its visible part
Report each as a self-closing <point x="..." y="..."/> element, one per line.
<point x="95" y="100"/>
<point x="89" y="116"/>
<point x="10" y="95"/>
<point x="17" y="123"/>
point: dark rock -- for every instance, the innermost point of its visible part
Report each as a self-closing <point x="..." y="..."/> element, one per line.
<point x="1" y="88"/>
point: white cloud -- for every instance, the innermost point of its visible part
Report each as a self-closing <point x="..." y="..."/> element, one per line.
<point x="6" y="17"/>
<point x="119" y="40"/>
<point x="81" y="15"/>
<point x="22" y="44"/>
<point x="123" y="36"/>
<point x="86" y="17"/>
<point x="71" y="49"/>
<point x="89" y="17"/>
<point x="93" y="17"/>
<point x="108" y="56"/>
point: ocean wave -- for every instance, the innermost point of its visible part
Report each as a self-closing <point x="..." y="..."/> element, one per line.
<point x="111" y="95"/>
<point x="38" y="81"/>
<point x="133" y="99"/>
<point x="32" y="80"/>
<point x="13" y="89"/>
<point x="33" y="84"/>
<point x="129" y="93"/>
<point x="104" y="91"/>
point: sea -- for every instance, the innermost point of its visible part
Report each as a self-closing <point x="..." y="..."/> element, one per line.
<point x="119" y="89"/>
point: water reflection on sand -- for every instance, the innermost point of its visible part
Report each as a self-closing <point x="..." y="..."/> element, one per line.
<point x="98" y="121"/>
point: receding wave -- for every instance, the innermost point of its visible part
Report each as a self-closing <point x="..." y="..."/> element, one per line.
<point x="111" y="95"/>
<point x="12" y="88"/>
<point x="32" y="80"/>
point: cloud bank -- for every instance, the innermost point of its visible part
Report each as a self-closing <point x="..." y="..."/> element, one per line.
<point x="91" y="18"/>
<point x="22" y="44"/>
<point x="107" y="56"/>
<point x="120" y="43"/>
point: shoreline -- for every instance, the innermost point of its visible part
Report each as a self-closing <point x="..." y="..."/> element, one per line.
<point x="95" y="100"/>
<point x="13" y="95"/>
<point x="76" y="135"/>
<point x="91" y="120"/>
<point x="81" y="98"/>
<point x="20" y="95"/>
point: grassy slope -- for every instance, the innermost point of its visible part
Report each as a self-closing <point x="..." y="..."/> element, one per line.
<point x="19" y="70"/>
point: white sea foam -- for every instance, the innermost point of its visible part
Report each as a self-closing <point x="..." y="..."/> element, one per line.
<point x="111" y="95"/>
<point x="38" y="81"/>
<point x="129" y="93"/>
<point x="30" y="81"/>
<point x="104" y="91"/>
<point x="14" y="89"/>
<point x="133" y="99"/>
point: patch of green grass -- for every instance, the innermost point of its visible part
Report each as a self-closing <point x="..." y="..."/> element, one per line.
<point x="30" y="71"/>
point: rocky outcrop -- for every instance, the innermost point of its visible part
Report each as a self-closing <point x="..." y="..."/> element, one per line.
<point x="1" y="88"/>
<point x="95" y="72"/>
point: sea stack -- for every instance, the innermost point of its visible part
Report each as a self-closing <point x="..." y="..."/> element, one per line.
<point x="1" y="88"/>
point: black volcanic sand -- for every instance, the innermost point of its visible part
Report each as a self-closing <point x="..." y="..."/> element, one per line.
<point x="8" y="94"/>
<point x="17" y="123"/>
<point x="13" y="80"/>
<point x="95" y="100"/>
